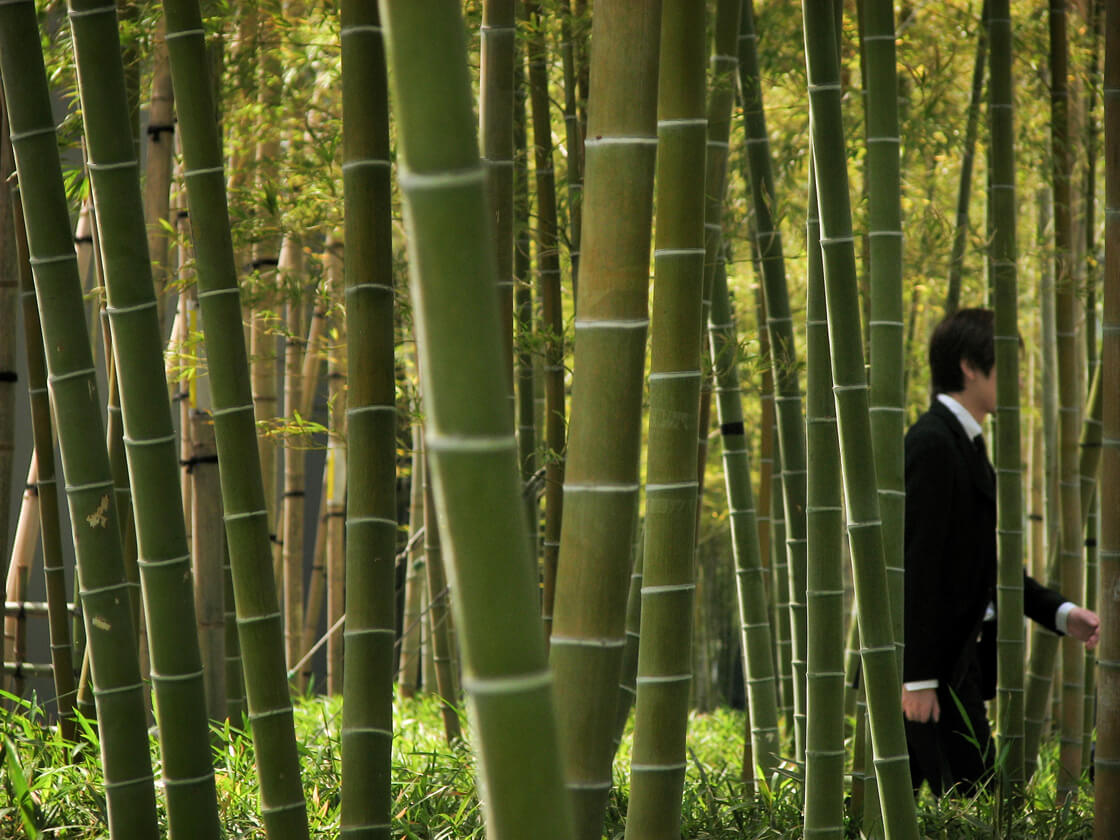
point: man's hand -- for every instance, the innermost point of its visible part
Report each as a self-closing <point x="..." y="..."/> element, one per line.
<point x="1084" y="625"/>
<point x="921" y="706"/>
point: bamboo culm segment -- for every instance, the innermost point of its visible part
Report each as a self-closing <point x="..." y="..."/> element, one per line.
<point x="1107" y="762"/>
<point x="246" y="518"/>
<point x="1069" y="356"/>
<point x="754" y="620"/>
<point x="469" y="430"/>
<point x="880" y="666"/>
<point x="783" y="351"/>
<point x="118" y="692"/>
<point x="664" y="675"/>
<point x="601" y="478"/>
<point x="371" y="429"/>
<point x="62" y="653"/>
<point x="824" y="599"/>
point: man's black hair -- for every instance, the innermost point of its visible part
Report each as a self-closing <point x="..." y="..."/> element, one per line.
<point x="966" y="335"/>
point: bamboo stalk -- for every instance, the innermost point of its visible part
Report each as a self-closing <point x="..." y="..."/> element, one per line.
<point x="208" y="556"/>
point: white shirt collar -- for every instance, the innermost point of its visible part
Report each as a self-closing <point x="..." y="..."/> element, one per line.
<point x="964" y="417"/>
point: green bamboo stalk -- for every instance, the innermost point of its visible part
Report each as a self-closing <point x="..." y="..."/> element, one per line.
<point x="495" y="116"/>
<point x="601" y="478"/>
<point x="9" y="301"/>
<point x="1003" y="284"/>
<point x="108" y="625"/>
<point x="54" y="571"/>
<point x="371" y="425"/>
<point x="824" y="597"/>
<point x="886" y="325"/>
<point x="664" y="674"/>
<point x="409" y="673"/>
<point x="878" y="653"/>
<point x="750" y="588"/>
<point x="292" y="500"/>
<point x="336" y="465"/>
<point x="548" y="269"/>
<point x="159" y="164"/>
<point x="572" y="50"/>
<point x="246" y="515"/>
<point x="525" y="378"/>
<point x="964" y="189"/>
<point x="1107" y="761"/>
<point x="439" y="617"/>
<point x="628" y="682"/>
<point x="469" y="428"/>
<point x="164" y="556"/>
<point x="1072" y="577"/>
<point x="791" y="428"/>
<point x="1044" y="644"/>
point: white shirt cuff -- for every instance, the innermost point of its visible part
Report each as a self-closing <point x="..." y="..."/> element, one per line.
<point x="1061" y="617"/>
<point x="920" y="685"/>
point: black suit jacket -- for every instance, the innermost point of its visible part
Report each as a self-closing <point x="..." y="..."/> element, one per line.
<point x="950" y="556"/>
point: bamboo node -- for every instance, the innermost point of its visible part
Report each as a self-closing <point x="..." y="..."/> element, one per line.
<point x="18" y="136"/>
<point x="124" y="310"/>
<point x="194" y="780"/>
<point x="657" y="768"/>
<point x="185" y="33"/>
<point x="361" y="29"/>
<point x="509" y="684"/>
<point x="108" y="167"/>
<point x="129" y="782"/>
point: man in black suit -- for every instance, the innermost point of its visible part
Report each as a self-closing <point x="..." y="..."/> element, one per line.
<point x="950" y="558"/>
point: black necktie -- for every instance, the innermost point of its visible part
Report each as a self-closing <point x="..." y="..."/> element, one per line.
<point x="982" y="451"/>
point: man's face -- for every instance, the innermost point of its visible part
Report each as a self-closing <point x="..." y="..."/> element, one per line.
<point x="980" y="387"/>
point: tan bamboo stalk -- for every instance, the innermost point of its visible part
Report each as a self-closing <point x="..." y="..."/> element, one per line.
<point x="427" y="649"/>
<point x="1107" y="761"/>
<point x="184" y="340"/>
<point x="18" y="574"/>
<point x="208" y="556"/>
<point x="438" y="617"/>
<point x="336" y="462"/>
<point x="87" y="267"/>
<point x="316" y="590"/>
<point x="601" y="477"/>
<point x="292" y="525"/>
<point x="411" y="622"/>
<point x="263" y="354"/>
<point x="158" y="169"/>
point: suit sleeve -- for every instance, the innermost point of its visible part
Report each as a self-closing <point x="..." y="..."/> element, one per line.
<point x="929" y="482"/>
<point x="1041" y="603"/>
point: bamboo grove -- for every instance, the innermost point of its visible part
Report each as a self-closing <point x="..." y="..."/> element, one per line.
<point x="446" y="291"/>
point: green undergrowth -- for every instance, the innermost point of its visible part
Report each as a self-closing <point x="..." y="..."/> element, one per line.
<point x="53" y="789"/>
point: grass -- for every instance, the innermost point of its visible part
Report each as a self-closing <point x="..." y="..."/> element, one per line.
<point x="52" y="789"/>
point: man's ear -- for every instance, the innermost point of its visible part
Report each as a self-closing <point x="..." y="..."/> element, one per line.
<point x="968" y="369"/>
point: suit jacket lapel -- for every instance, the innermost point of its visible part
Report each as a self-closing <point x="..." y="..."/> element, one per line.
<point x="979" y="468"/>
